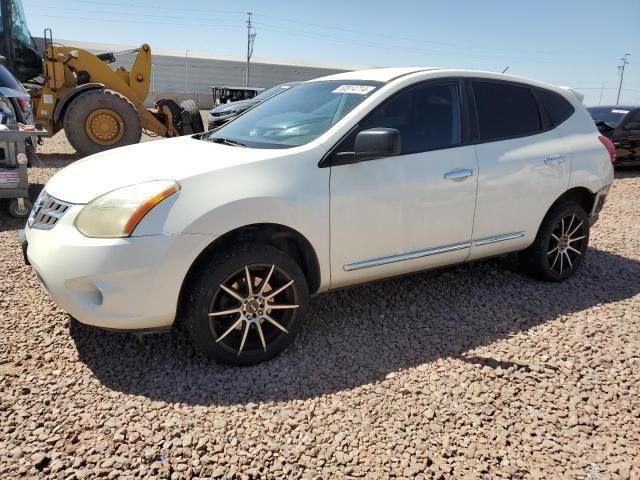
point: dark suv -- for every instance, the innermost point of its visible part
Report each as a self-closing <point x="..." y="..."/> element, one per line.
<point x="621" y="124"/>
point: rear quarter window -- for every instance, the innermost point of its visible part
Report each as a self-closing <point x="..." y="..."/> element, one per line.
<point x="505" y="110"/>
<point x="557" y="108"/>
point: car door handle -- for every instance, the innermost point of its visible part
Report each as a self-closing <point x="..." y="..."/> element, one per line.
<point x="555" y="159"/>
<point x="459" y="174"/>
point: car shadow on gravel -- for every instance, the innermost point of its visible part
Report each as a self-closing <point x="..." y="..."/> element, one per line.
<point x="358" y="336"/>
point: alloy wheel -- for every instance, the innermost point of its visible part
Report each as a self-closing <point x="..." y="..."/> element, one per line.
<point x="566" y="244"/>
<point x="253" y="308"/>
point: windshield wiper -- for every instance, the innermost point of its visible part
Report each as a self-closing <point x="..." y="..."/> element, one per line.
<point x="227" y="141"/>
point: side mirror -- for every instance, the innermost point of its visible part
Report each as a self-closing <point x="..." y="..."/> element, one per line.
<point x="370" y="144"/>
<point x="377" y="143"/>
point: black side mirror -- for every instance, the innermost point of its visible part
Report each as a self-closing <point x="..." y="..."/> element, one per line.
<point x="377" y="143"/>
<point x="369" y="145"/>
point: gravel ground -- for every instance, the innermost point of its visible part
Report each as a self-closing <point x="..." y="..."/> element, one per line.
<point x="471" y="372"/>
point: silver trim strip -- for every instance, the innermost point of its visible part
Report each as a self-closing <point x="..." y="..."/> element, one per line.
<point x="497" y="238"/>
<point x="431" y="251"/>
<point x="406" y="256"/>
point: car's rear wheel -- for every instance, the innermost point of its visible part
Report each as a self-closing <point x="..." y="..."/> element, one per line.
<point x="246" y="304"/>
<point x="561" y="244"/>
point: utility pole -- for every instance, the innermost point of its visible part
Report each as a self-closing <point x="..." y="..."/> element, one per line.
<point x="601" y="92"/>
<point x="251" y="36"/>
<point x="186" y="72"/>
<point x="625" y="62"/>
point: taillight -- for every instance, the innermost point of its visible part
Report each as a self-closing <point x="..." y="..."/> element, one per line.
<point x="24" y="105"/>
<point x="611" y="149"/>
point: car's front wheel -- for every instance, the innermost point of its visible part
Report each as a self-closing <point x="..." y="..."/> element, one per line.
<point x="246" y="304"/>
<point x="561" y="244"/>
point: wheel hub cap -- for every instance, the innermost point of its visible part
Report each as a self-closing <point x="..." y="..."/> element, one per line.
<point x="252" y="306"/>
<point x="104" y="126"/>
<point x="566" y="244"/>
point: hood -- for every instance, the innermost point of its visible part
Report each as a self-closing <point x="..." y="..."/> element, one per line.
<point x="239" y="105"/>
<point x="168" y="159"/>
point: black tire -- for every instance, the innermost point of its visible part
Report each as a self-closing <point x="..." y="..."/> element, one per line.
<point x="75" y="121"/>
<point x="554" y="257"/>
<point x="15" y="211"/>
<point x="220" y="336"/>
<point x="196" y="125"/>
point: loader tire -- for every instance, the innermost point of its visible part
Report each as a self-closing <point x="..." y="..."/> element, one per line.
<point x="99" y="120"/>
<point x="196" y="125"/>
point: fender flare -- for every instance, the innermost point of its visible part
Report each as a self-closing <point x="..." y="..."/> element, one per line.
<point x="66" y="100"/>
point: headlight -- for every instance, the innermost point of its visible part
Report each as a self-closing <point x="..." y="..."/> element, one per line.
<point x="116" y="214"/>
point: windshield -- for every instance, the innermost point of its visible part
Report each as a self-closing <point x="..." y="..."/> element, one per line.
<point x="608" y="115"/>
<point x="19" y="29"/>
<point x="271" y="92"/>
<point x="296" y="116"/>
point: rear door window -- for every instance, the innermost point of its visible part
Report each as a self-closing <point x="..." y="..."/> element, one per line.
<point x="505" y="111"/>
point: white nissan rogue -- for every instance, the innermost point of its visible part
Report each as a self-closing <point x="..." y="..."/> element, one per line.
<point x="338" y="181"/>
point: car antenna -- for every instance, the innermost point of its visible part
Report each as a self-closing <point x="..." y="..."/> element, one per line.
<point x="506" y="69"/>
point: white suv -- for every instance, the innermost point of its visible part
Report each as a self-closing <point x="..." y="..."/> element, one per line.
<point x="338" y="181"/>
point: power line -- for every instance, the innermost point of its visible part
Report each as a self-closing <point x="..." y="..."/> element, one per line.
<point x="316" y="25"/>
<point x="136" y="21"/>
<point x="145" y="7"/>
<point x="410" y="39"/>
<point x="103" y="12"/>
<point x="387" y="46"/>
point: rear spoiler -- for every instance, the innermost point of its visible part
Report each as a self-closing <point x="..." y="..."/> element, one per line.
<point x="577" y="94"/>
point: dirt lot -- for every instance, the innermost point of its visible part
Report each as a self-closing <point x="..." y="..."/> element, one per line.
<point x="472" y="372"/>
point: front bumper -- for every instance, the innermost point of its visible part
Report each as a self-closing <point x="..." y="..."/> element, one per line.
<point x="121" y="284"/>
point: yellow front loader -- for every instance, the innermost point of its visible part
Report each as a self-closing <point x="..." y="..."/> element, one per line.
<point x="98" y="107"/>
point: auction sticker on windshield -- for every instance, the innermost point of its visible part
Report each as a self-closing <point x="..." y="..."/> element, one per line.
<point x="358" y="89"/>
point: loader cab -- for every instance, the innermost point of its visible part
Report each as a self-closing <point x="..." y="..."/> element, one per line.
<point x="16" y="44"/>
<point x="225" y="94"/>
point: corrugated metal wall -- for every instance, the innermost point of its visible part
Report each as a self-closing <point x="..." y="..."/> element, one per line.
<point x="170" y="73"/>
<point x="191" y="77"/>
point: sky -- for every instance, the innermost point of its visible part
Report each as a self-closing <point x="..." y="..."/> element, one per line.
<point x="575" y="43"/>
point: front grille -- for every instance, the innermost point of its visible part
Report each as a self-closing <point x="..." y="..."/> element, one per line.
<point x="47" y="211"/>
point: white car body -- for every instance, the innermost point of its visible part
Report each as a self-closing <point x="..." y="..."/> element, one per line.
<point x="364" y="221"/>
